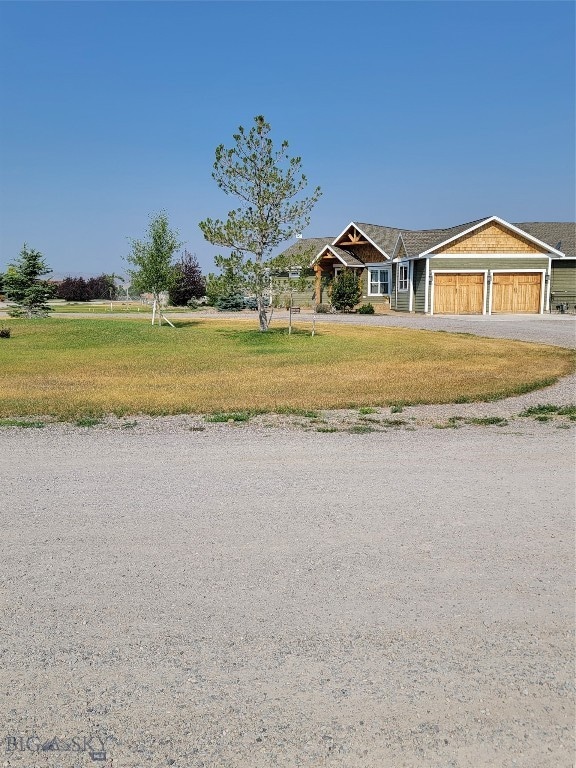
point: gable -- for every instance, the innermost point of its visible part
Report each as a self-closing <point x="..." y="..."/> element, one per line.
<point x="493" y="237"/>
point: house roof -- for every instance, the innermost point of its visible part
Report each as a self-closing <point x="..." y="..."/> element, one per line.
<point x="384" y="237"/>
<point x="307" y="246"/>
<point x="559" y="234"/>
<point x="347" y="258"/>
<point x="420" y="240"/>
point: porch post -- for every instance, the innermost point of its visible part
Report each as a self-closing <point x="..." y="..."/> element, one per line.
<point x="318" y="283"/>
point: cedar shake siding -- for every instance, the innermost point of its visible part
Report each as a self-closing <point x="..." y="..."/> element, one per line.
<point x="492" y="238"/>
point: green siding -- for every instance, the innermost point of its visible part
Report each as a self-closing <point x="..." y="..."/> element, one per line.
<point x="485" y="262"/>
<point x="400" y="299"/>
<point x="281" y="292"/>
<point x="364" y="283"/>
<point x="563" y="282"/>
<point x="419" y="282"/>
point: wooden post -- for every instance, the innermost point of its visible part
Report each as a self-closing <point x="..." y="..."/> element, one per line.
<point x="318" y="284"/>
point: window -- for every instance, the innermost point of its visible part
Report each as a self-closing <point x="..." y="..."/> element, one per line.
<point x="378" y="282"/>
<point x="403" y="277"/>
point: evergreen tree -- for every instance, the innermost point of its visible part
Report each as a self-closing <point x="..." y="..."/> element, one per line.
<point x="268" y="185"/>
<point x="24" y="286"/>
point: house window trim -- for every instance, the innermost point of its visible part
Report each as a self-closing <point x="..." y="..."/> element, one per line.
<point x="402" y="265"/>
<point x="380" y="269"/>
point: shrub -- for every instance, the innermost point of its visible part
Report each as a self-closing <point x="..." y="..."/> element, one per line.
<point x="366" y="309"/>
<point x="232" y="302"/>
<point x="346" y="290"/>
<point x="250" y="303"/>
<point x="5" y="333"/>
<point x="322" y="309"/>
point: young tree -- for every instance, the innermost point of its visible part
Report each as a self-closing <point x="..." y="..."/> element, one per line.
<point x="24" y="286"/>
<point x="346" y="290"/>
<point x="152" y="259"/>
<point x="189" y="283"/>
<point x="268" y="184"/>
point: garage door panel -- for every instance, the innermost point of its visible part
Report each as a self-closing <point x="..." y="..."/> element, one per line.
<point x="458" y="293"/>
<point x="516" y="292"/>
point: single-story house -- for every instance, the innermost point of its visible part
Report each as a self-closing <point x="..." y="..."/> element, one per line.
<point x="482" y="267"/>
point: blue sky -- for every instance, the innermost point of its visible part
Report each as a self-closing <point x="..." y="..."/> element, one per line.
<point x="413" y="114"/>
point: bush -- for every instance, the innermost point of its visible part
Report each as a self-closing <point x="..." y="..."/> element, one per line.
<point x="5" y="333"/>
<point x="366" y="309"/>
<point x="346" y="290"/>
<point x="232" y="302"/>
<point x="322" y="309"/>
<point x="250" y="303"/>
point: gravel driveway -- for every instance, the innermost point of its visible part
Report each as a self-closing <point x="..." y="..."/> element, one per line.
<point x="250" y="596"/>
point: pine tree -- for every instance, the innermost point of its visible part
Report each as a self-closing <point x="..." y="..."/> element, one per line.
<point x="268" y="185"/>
<point x="24" y="286"/>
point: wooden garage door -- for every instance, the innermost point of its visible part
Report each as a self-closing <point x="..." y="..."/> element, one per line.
<point x="458" y="294"/>
<point x="516" y="292"/>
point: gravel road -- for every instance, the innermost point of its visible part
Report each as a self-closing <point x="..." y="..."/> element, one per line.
<point x="247" y="597"/>
<point x="176" y="593"/>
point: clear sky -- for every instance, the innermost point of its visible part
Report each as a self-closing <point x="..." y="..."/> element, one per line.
<point x="411" y="114"/>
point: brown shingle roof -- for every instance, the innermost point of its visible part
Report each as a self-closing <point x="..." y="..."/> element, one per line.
<point x="348" y="258"/>
<point x="559" y="234"/>
<point x="419" y="240"/>
<point x="307" y="246"/>
<point x="384" y="237"/>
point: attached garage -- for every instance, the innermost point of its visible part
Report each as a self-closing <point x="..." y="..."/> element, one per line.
<point x="459" y="293"/>
<point x="517" y="292"/>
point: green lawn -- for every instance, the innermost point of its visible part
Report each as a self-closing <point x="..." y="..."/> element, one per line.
<point x="71" y="368"/>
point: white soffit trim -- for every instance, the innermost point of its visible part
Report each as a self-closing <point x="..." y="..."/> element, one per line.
<point x="506" y="224"/>
<point x="352" y="224"/>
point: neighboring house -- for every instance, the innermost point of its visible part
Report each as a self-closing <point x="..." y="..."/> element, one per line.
<point x="486" y="266"/>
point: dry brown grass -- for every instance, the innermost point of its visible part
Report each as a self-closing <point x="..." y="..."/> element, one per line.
<point x="67" y="368"/>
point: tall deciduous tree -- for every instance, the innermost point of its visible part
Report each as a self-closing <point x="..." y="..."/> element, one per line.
<point x="24" y="285"/>
<point x="188" y="283"/>
<point x="269" y="186"/>
<point x="152" y="258"/>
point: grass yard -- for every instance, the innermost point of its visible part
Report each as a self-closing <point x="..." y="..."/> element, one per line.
<point x="73" y="368"/>
<point x="99" y="307"/>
